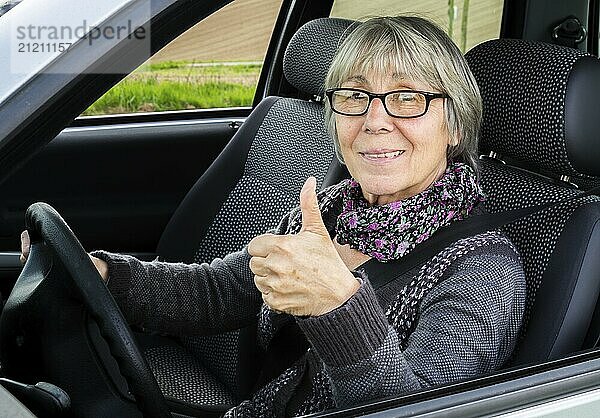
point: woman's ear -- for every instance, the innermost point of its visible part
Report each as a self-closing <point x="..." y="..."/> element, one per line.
<point x="454" y="135"/>
<point x="452" y="142"/>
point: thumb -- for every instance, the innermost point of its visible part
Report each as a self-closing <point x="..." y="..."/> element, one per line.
<point x="311" y="215"/>
<point x="25" y="245"/>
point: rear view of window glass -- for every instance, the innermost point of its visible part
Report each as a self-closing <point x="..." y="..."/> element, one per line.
<point x="468" y="22"/>
<point x="215" y="64"/>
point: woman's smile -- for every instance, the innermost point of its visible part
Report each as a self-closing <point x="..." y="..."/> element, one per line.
<point x="381" y="156"/>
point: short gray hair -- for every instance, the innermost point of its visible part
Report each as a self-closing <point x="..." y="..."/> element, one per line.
<point x="418" y="49"/>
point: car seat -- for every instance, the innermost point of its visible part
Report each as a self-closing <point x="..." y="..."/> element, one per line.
<point x="539" y="111"/>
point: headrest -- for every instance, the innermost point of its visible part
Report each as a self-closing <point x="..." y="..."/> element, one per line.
<point x="310" y="52"/>
<point x="540" y="104"/>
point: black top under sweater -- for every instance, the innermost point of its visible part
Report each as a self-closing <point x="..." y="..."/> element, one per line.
<point x="455" y="317"/>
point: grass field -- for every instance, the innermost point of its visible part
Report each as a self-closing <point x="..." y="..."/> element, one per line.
<point x="176" y="85"/>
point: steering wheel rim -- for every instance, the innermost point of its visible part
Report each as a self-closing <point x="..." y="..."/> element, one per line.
<point x="45" y="223"/>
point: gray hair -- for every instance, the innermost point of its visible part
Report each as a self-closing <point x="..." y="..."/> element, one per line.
<point x="417" y="49"/>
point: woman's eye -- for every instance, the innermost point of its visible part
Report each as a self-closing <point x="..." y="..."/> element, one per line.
<point x="406" y="98"/>
<point x="357" y="96"/>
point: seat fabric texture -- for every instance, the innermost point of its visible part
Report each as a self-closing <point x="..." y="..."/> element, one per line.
<point x="532" y="113"/>
<point x="246" y="191"/>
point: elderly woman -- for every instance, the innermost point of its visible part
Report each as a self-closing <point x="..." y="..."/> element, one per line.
<point x="404" y="111"/>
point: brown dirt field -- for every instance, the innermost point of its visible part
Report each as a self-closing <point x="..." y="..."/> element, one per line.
<point x="238" y="32"/>
<point x="241" y="30"/>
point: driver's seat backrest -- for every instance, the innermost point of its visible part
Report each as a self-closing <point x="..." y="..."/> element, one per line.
<point x="252" y="184"/>
<point x="539" y="109"/>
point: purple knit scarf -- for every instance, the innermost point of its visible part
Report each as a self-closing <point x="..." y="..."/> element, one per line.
<point x="388" y="232"/>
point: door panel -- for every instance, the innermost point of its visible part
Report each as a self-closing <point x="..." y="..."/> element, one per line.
<point x="116" y="185"/>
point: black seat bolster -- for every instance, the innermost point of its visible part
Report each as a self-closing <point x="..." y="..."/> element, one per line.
<point x="197" y="211"/>
<point x="569" y="291"/>
<point x="336" y="173"/>
<point x="581" y="109"/>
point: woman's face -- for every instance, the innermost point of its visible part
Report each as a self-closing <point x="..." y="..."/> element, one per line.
<point x="415" y="148"/>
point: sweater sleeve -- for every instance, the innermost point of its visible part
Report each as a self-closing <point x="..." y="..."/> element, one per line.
<point x="467" y="325"/>
<point x="184" y="299"/>
<point x="187" y="299"/>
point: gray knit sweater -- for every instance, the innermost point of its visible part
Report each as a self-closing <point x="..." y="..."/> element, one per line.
<point x="454" y="317"/>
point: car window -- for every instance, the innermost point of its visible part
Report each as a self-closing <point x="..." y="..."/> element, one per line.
<point x="467" y="22"/>
<point x="214" y="64"/>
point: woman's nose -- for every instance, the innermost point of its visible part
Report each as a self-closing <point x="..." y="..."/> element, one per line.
<point x="377" y="119"/>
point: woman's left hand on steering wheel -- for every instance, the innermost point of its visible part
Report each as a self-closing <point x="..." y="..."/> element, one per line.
<point x="302" y="274"/>
<point x="100" y="265"/>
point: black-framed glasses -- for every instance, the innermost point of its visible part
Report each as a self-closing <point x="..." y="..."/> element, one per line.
<point x="397" y="103"/>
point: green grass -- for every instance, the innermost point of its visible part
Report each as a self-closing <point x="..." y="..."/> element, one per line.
<point x="175" y="85"/>
<point x="201" y="68"/>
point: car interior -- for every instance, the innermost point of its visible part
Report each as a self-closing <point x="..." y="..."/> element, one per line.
<point x="537" y="143"/>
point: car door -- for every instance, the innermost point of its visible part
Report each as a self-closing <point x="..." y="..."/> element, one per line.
<point x="119" y="171"/>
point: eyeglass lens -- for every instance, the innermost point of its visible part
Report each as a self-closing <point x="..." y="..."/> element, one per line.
<point x="405" y="104"/>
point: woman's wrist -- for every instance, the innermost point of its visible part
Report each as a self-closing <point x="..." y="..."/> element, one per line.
<point x="348" y="288"/>
<point x="353" y="284"/>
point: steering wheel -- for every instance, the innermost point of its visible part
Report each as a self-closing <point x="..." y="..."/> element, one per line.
<point x="44" y="223"/>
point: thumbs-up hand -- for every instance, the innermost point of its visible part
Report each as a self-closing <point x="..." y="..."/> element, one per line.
<point x="302" y="274"/>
